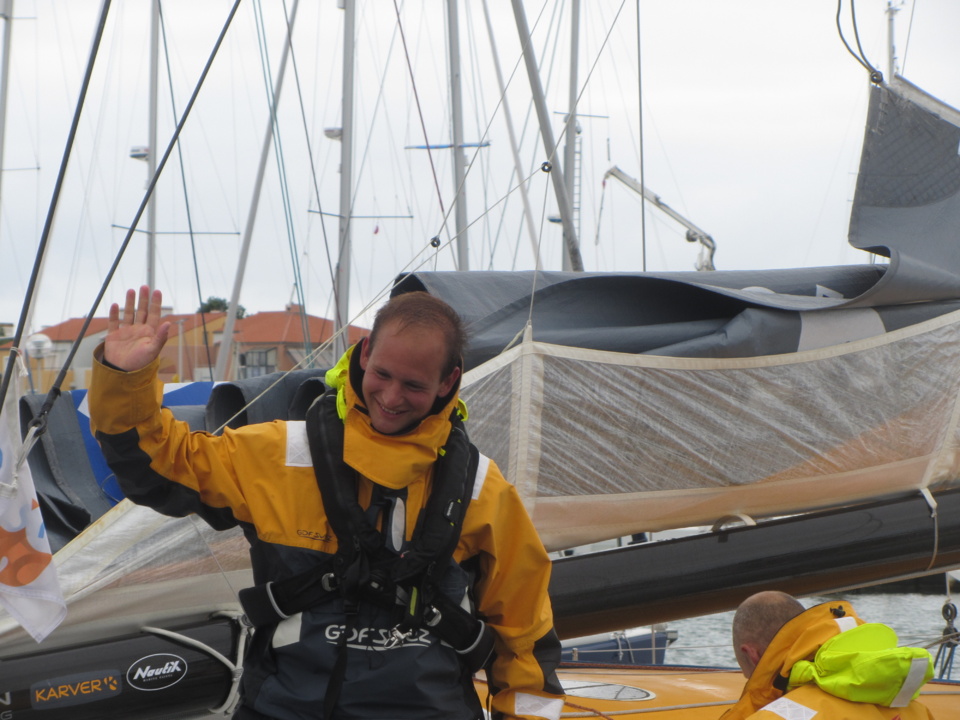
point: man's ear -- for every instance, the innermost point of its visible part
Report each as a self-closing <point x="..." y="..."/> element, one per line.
<point x="753" y="655"/>
<point x="446" y="385"/>
<point x="364" y="353"/>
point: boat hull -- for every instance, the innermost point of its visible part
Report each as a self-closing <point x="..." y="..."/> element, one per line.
<point x="134" y="676"/>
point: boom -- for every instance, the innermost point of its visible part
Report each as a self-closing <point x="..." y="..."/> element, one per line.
<point x="694" y="234"/>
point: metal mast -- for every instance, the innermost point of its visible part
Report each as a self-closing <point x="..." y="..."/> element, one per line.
<point x="152" y="142"/>
<point x="6" y="12"/>
<point x="341" y="287"/>
<point x="226" y="340"/>
<point x="459" y="164"/>
<point x="891" y="51"/>
<point x="517" y="164"/>
<point x="570" y="145"/>
<point x="549" y="144"/>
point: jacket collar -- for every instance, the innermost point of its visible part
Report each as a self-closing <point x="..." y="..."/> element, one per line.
<point x="393" y="461"/>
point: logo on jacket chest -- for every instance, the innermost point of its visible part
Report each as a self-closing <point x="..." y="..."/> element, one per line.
<point x="374" y="638"/>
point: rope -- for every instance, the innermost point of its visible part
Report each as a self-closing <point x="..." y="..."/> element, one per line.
<point x="235" y="667"/>
<point x="875" y="75"/>
<point x="637" y="711"/>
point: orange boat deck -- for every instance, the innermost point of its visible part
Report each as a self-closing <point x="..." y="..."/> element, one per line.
<point x="652" y="692"/>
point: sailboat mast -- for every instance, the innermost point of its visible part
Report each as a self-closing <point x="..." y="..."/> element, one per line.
<point x="571" y="243"/>
<point x="511" y="134"/>
<point x="891" y="50"/>
<point x="226" y="341"/>
<point x="341" y="288"/>
<point x="459" y="166"/>
<point x="152" y="141"/>
<point x="570" y="146"/>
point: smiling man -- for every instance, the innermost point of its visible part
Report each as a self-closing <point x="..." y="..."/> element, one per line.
<point x="391" y="565"/>
<point x="410" y="360"/>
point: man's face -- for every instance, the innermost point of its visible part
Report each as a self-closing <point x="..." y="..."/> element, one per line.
<point x="403" y="376"/>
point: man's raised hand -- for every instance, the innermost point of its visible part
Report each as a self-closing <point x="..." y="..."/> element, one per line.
<point x="135" y="337"/>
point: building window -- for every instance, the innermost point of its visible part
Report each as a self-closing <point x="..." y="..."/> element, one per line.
<point x="255" y="363"/>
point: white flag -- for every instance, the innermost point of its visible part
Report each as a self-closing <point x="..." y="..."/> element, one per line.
<point x="29" y="588"/>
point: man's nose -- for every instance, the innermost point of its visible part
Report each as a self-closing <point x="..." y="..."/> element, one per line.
<point x="392" y="394"/>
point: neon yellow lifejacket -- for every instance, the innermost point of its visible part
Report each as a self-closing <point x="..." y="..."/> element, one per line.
<point x="865" y="665"/>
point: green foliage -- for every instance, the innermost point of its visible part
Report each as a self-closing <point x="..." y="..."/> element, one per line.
<point x="218" y="304"/>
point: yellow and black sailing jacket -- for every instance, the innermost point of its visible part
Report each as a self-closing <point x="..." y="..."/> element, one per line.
<point x="261" y="477"/>
<point x="826" y="663"/>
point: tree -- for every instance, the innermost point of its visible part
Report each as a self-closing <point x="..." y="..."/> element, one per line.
<point x="218" y="304"/>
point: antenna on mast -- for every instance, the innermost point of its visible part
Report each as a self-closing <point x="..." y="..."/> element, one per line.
<point x="891" y="50"/>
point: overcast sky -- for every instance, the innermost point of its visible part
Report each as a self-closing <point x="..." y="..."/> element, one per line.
<point x="752" y="119"/>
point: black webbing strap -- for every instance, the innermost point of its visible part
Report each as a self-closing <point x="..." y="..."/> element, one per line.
<point x="275" y="601"/>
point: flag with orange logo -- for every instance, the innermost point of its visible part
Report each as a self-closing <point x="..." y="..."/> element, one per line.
<point x="29" y="588"/>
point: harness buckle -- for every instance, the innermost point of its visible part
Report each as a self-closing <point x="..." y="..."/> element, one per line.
<point x="431" y="616"/>
<point x="329" y="582"/>
<point x="397" y="637"/>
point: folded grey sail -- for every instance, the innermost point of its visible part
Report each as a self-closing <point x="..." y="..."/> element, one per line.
<point x="907" y="201"/>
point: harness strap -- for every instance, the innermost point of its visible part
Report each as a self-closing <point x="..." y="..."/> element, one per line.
<point x="272" y="602"/>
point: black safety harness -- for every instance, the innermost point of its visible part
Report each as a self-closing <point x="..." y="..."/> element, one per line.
<point x="363" y="569"/>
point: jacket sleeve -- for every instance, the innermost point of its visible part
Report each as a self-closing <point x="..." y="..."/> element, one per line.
<point x="158" y="461"/>
<point x="512" y="597"/>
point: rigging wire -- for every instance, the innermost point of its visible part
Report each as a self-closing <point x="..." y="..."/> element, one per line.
<point x="643" y="205"/>
<point x="51" y="210"/>
<point x="423" y="125"/>
<point x="486" y="132"/>
<point x="186" y="197"/>
<point x="281" y="169"/>
<point x="306" y="133"/>
<point x="92" y="179"/>
<point x="875" y="75"/>
<point x="420" y="260"/>
<point x="39" y="420"/>
<point x="378" y="104"/>
<point x="428" y="254"/>
<point x="906" y="43"/>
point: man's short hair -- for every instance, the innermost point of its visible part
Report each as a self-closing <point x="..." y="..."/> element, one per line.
<point x="421" y="309"/>
<point x="760" y="617"/>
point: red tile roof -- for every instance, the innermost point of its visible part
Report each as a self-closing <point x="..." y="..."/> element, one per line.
<point x="287" y="327"/>
<point x="69" y="330"/>
<point x="192" y="320"/>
